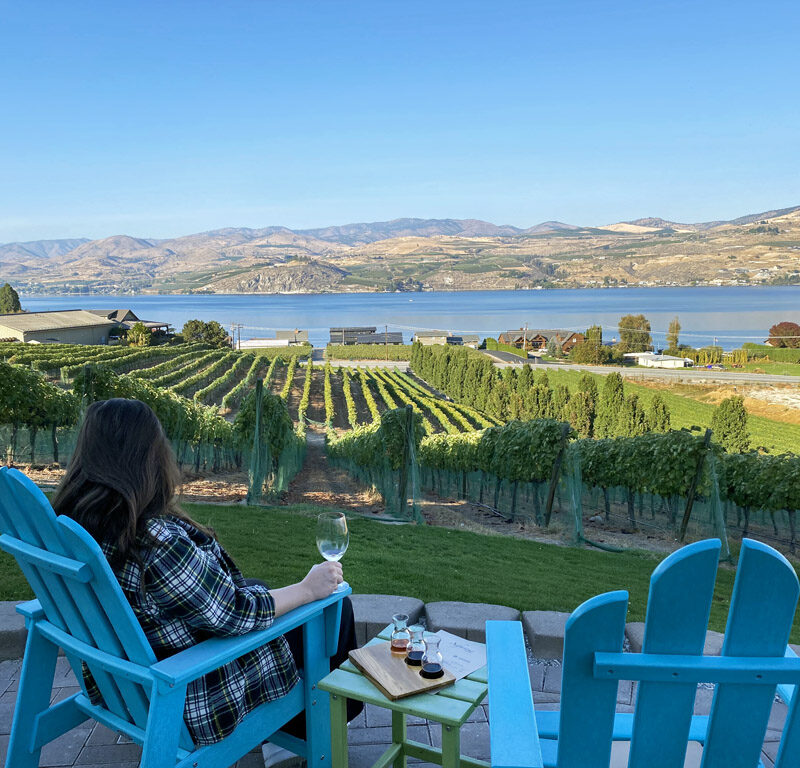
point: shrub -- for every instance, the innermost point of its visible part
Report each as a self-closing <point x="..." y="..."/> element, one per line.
<point x="729" y="424"/>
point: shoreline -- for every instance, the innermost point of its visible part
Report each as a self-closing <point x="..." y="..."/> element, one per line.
<point x="596" y="288"/>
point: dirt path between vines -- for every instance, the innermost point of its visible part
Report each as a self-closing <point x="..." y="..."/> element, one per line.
<point x="320" y="483"/>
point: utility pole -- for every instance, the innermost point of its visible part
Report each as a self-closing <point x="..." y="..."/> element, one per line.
<point x="236" y="327"/>
<point x="525" y="340"/>
<point x="386" y="340"/>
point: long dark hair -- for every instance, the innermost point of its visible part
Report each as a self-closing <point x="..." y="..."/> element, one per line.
<point x="122" y="474"/>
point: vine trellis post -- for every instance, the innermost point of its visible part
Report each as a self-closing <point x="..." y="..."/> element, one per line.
<point x="405" y="466"/>
<point x="693" y="487"/>
<point x="253" y="492"/>
<point x="551" y="493"/>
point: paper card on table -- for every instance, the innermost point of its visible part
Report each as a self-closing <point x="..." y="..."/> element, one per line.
<point x="461" y="657"/>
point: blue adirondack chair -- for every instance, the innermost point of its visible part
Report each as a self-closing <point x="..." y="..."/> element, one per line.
<point x="755" y="662"/>
<point x="81" y="608"/>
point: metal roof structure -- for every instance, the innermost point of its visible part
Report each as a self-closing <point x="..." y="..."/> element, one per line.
<point x="349" y="335"/>
<point x="392" y="337"/>
<point x="118" y="315"/>
<point x="54" y="320"/>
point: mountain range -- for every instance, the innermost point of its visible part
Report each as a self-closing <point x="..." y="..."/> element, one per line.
<point x="417" y="254"/>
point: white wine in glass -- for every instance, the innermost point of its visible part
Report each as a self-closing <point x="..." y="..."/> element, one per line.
<point x="333" y="537"/>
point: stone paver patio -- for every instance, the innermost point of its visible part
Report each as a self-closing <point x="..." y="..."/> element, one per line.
<point x="94" y="745"/>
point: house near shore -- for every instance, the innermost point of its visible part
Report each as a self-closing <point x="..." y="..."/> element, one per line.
<point x="349" y="335"/>
<point x="537" y="339"/>
<point x="652" y="360"/>
<point x="364" y="335"/>
<point x="67" y="326"/>
<point x="126" y="319"/>
<point x="295" y="338"/>
<point x="428" y="338"/>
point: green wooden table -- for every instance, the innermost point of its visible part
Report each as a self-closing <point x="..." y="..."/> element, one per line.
<point x="451" y="706"/>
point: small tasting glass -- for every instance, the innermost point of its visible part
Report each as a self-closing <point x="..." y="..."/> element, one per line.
<point x="416" y="648"/>
<point x="401" y="634"/>
<point x="432" y="666"/>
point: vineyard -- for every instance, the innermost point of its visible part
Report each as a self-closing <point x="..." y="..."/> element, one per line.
<point x="560" y="451"/>
<point x="573" y="454"/>
<point x="201" y="395"/>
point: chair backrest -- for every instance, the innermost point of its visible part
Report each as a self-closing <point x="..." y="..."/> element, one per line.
<point x="78" y="592"/>
<point x="681" y="591"/>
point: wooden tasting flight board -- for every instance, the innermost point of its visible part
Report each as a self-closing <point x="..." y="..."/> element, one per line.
<point x="392" y="675"/>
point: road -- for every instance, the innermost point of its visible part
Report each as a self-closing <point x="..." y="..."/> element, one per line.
<point x="506" y="359"/>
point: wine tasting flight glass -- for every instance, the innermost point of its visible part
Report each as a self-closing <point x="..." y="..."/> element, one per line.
<point x="333" y="537"/>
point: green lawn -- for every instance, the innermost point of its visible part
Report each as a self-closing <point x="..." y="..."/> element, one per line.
<point x="277" y="545"/>
<point x="686" y="412"/>
<point x="779" y="369"/>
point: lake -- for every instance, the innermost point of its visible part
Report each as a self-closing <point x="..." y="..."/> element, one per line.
<point x="731" y="315"/>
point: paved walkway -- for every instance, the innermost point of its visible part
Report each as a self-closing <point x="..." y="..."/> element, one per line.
<point x="96" y="746"/>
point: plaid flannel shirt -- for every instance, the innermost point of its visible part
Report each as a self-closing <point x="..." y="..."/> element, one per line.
<point x="187" y="589"/>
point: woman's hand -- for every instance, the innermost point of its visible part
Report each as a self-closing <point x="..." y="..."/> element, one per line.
<point x="322" y="580"/>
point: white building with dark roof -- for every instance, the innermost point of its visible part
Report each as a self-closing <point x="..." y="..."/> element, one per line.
<point x="69" y="326"/>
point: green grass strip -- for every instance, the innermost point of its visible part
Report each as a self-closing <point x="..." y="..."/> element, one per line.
<point x="278" y="545"/>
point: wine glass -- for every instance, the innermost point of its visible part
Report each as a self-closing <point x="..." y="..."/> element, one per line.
<point x="333" y="537"/>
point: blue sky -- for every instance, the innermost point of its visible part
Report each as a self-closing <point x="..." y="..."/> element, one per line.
<point x="160" y="119"/>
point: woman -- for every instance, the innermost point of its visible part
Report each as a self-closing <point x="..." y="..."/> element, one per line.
<point x="182" y="585"/>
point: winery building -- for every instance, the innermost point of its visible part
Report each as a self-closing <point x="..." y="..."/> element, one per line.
<point x="538" y="338"/>
<point x="368" y="334"/>
<point x="71" y="326"/>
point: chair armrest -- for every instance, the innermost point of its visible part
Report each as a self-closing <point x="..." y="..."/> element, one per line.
<point x="513" y="736"/>
<point x="786" y="692"/>
<point x="209" y="655"/>
<point x="32" y="610"/>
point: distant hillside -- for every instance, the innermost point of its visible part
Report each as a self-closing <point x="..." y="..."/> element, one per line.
<point x="550" y="226"/>
<point x="107" y="250"/>
<point x="419" y="255"/>
<point x="359" y="234"/>
<point x="753" y="217"/>
<point x="40" y="249"/>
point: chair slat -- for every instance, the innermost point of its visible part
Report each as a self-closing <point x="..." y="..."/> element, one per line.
<point x="762" y="608"/>
<point x="588" y="704"/>
<point x="789" y="751"/>
<point x="29" y="514"/>
<point x="114" y="625"/>
<point x="678" y="605"/>
<point x="512" y="727"/>
<point x="22" y="501"/>
<point x="45" y="560"/>
<point x="33" y="518"/>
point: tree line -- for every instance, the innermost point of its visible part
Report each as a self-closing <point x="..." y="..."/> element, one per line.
<point x="593" y="411"/>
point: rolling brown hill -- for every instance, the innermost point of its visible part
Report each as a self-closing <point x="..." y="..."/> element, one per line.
<point x="419" y="254"/>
